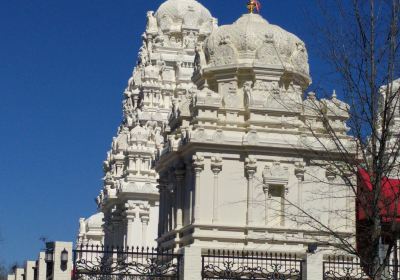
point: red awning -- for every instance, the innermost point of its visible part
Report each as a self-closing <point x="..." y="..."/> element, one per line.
<point x="389" y="202"/>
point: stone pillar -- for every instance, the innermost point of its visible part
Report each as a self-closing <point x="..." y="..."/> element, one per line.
<point x="313" y="266"/>
<point x="299" y="172"/>
<point x="114" y="229"/>
<point x="189" y="195"/>
<point x="330" y="175"/>
<point x="216" y="167"/>
<point x="251" y="168"/>
<point x="193" y="264"/>
<point x="41" y="266"/>
<point x="118" y="228"/>
<point x="162" y="187"/>
<point x="266" y="201"/>
<point x="198" y="166"/>
<point x="30" y="267"/>
<point x="349" y="203"/>
<point x="172" y="206"/>
<point x="130" y="213"/>
<point x="145" y="222"/>
<point x="180" y="176"/>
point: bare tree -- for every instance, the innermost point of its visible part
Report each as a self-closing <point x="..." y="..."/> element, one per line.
<point x="3" y="272"/>
<point x="359" y="39"/>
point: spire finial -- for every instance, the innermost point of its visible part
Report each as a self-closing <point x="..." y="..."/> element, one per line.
<point x="253" y="5"/>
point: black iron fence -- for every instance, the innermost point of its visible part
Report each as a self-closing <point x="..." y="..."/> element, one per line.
<point x="218" y="264"/>
<point x="349" y="268"/>
<point x="115" y="263"/>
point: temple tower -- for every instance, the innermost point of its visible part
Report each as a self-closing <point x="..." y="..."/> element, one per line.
<point x="239" y="168"/>
<point x="129" y="199"/>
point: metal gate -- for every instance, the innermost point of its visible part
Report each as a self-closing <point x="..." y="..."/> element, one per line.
<point x="250" y="265"/>
<point x="349" y="268"/>
<point x="114" y="263"/>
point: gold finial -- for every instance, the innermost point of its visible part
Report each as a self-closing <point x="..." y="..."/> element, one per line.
<point x="252" y="6"/>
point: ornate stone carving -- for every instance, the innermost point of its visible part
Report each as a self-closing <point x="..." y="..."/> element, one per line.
<point x="253" y="39"/>
<point x="152" y="26"/>
<point x="250" y="166"/>
<point x="198" y="162"/>
<point x="216" y="164"/>
<point x="231" y="96"/>
<point x="276" y="174"/>
<point x="200" y="57"/>
<point x="218" y="136"/>
<point x="252" y="137"/>
<point x="247" y="90"/>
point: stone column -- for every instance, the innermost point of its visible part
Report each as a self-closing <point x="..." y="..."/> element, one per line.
<point x="330" y="175"/>
<point x="349" y="202"/>
<point x="162" y="187"/>
<point x="198" y="166"/>
<point x="171" y="205"/>
<point x="180" y="176"/>
<point x="117" y="232"/>
<point x="145" y="222"/>
<point x="266" y="201"/>
<point x="192" y="265"/>
<point x="251" y="168"/>
<point x="313" y="266"/>
<point x="216" y="167"/>
<point x="114" y="230"/>
<point x="299" y="172"/>
<point x="130" y="213"/>
<point x="188" y="195"/>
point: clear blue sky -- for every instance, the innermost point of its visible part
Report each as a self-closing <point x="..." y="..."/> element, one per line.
<point x="63" y="67"/>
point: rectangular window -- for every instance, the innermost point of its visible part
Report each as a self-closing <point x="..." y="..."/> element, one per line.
<point x="277" y="196"/>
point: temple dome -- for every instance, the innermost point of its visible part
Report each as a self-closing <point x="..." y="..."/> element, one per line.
<point x="95" y="221"/>
<point x="173" y="15"/>
<point x="252" y="39"/>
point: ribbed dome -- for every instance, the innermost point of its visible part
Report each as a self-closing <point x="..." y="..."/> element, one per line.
<point x="184" y="13"/>
<point x="95" y="221"/>
<point x="251" y="39"/>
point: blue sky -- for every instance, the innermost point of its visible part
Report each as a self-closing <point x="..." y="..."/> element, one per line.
<point x="63" y="67"/>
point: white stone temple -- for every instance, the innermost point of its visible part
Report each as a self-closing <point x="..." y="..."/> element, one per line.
<point x="161" y="80"/>
<point x="217" y="146"/>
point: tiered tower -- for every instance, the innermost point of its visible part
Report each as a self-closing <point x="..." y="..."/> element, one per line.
<point x="241" y="168"/>
<point x="161" y="79"/>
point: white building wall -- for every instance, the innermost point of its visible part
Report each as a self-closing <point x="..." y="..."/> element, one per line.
<point x="30" y="270"/>
<point x="41" y="266"/>
<point x="60" y="272"/>
<point x="19" y="274"/>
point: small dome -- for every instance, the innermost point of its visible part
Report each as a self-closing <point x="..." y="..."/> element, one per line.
<point x="173" y="15"/>
<point x="252" y="39"/>
<point x="95" y="221"/>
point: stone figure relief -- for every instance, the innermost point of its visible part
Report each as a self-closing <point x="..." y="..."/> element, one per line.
<point x="230" y="94"/>
<point x="143" y="56"/>
<point x="267" y="53"/>
<point x="159" y="39"/>
<point x="82" y="226"/>
<point x="225" y="54"/>
<point x="247" y="90"/>
<point x="200" y="57"/>
<point x="190" y="18"/>
<point x="200" y="134"/>
<point x="166" y="22"/>
<point x="190" y="40"/>
<point x="218" y="136"/>
<point x="252" y="137"/>
<point x="299" y="58"/>
<point x="151" y="23"/>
